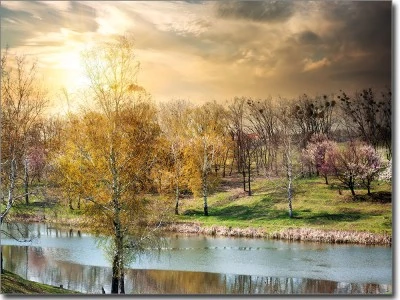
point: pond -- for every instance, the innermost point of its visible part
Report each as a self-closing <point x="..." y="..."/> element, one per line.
<point x="203" y="265"/>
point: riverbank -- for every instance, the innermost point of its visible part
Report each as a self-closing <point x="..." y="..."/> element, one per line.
<point x="16" y="285"/>
<point x="291" y="234"/>
<point x="321" y="213"/>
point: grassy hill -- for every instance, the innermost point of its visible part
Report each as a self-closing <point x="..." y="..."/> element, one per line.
<point x="14" y="284"/>
<point x="315" y="205"/>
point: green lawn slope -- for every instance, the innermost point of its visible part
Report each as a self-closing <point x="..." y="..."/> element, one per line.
<point x="315" y="205"/>
<point x="14" y="284"/>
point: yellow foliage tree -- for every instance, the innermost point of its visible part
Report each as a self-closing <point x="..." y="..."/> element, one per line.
<point x="117" y="145"/>
<point x="205" y="131"/>
<point x="174" y="122"/>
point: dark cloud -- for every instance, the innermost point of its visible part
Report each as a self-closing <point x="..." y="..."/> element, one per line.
<point x="367" y="23"/>
<point x="308" y="37"/>
<point x="356" y="75"/>
<point x="194" y="1"/>
<point x="260" y="11"/>
<point x="363" y="27"/>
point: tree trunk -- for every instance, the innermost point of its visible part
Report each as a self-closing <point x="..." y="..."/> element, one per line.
<point x="249" y="171"/>
<point x="244" y="179"/>
<point x="26" y="181"/>
<point x="2" y="269"/>
<point x="118" y="263"/>
<point x="115" y="274"/>
<point x="290" y="182"/>
<point x="257" y="163"/>
<point x="351" y="186"/>
<point x="176" y="199"/>
<point x="122" y="281"/>
<point x="326" y="179"/>
<point x="205" y="192"/>
<point x="204" y="183"/>
<point x="369" y="187"/>
<point x="289" y="173"/>
<point x="69" y="199"/>
<point x="232" y="163"/>
<point x="290" y="197"/>
<point x="224" y="163"/>
<point x="117" y="281"/>
<point x="10" y="201"/>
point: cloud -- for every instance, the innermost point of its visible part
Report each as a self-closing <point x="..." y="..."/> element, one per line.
<point x="310" y="65"/>
<point x="220" y="49"/>
<point x="22" y="21"/>
<point x="308" y="37"/>
<point x="260" y="11"/>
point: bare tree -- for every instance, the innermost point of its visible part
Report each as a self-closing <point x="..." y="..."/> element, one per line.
<point x="23" y="101"/>
<point x="368" y="116"/>
<point x="263" y="119"/>
<point x="312" y="116"/>
<point x="237" y="123"/>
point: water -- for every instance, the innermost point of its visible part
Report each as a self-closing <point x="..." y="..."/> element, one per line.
<point x="199" y="264"/>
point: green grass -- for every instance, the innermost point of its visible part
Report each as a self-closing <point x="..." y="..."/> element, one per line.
<point x="40" y="210"/>
<point x="315" y="205"/>
<point x="14" y="284"/>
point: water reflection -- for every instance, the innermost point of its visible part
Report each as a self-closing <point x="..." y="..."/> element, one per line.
<point x="32" y="263"/>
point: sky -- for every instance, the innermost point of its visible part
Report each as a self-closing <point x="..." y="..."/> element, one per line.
<point x="206" y="50"/>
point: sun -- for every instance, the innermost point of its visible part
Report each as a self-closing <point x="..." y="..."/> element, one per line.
<point x="73" y="70"/>
<point x="69" y="62"/>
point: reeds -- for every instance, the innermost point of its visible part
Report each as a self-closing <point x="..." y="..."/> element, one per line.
<point x="216" y="230"/>
<point x="333" y="236"/>
<point x="291" y="234"/>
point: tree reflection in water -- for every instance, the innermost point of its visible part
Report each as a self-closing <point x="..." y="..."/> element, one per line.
<point x="90" y="279"/>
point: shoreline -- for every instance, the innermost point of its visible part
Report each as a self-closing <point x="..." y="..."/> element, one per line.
<point x="301" y="234"/>
<point x="290" y="234"/>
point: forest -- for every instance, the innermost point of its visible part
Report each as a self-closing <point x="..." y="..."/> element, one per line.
<point x="127" y="162"/>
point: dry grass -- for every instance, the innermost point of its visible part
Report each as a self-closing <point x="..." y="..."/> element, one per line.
<point x="333" y="236"/>
<point x="292" y="234"/>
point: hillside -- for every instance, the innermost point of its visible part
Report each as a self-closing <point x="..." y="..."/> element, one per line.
<point x="316" y="205"/>
<point x="14" y="284"/>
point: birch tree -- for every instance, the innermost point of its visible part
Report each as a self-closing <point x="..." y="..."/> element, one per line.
<point x="287" y="144"/>
<point x="173" y="120"/>
<point x="204" y="146"/>
<point x="119" y="141"/>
